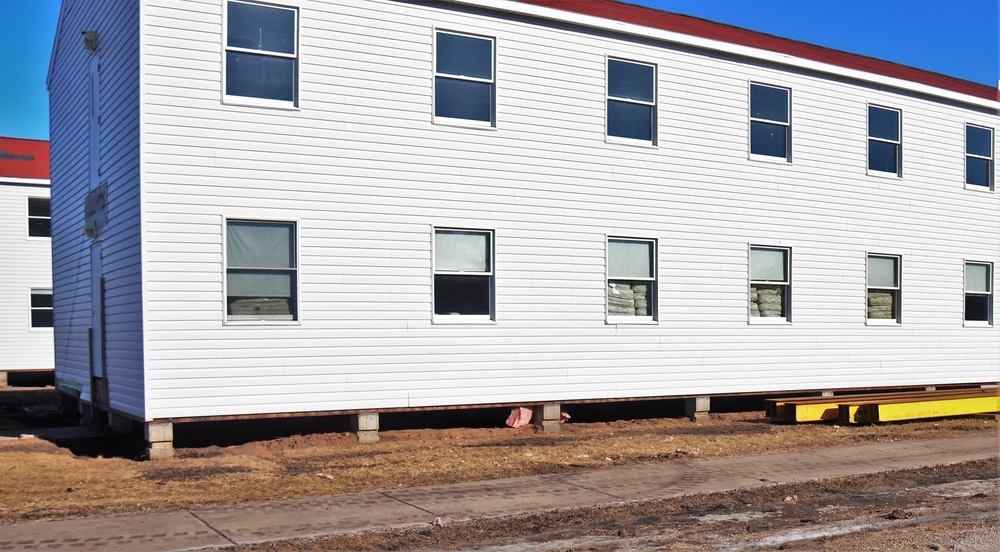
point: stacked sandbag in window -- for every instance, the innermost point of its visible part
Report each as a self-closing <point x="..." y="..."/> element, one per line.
<point x="880" y="304"/>
<point x="621" y="299"/>
<point x="754" y="308"/>
<point x="640" y="294"/>
<point x="769" y="301"/>
<point x="259" y="306"/>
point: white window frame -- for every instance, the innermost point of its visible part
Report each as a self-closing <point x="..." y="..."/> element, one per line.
<point x="490" y="274"/>
<point x="786" y="284"/>
<point x="788" y="125"/>
<point x="896" y="291"/>
<point x="29" y="217"/>
<point x="492" y="81"/>
<point x="32" y="309"/>
<point x="898" y="143"/>
<point x="290" y="5"/>
<point x="989" y="187"/>
<point x="250" y="320"/>
<point x="989" y="294"/>
<point x="652" y="299"/>
<point x="654" y="123"/>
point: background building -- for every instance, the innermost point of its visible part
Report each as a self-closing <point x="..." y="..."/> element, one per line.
<point x="26" y="277"/>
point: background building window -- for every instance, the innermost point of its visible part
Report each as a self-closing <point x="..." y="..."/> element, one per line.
<point x="883" y="287"/>
<point x="631" y="278"/>
<point x="260" y="270"/>
<point x="631" y="100"/>
<point x="463" y="272"/>
<point x="884" y="141"/>
<point x="770" y="126"/>
<point x="979" y="292"/>
<point x="261" y="51"/>
<point x="770" y="286"/>
<point x="978" y="156"/>
<point x="464" y="83"/>
<point x="41" y="308"/>
<point x="39" y="218"/>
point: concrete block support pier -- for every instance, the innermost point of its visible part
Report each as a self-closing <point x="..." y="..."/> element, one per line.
<point x="547" y="416"/>
<point x="159" y="440"/>
<point x="696" y="408"/>
<point x="365" y="425"/>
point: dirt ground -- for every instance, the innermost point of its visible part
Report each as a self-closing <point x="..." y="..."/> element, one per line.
<point x="952" y="507"/>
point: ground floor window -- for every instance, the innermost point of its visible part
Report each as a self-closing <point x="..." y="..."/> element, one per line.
<point x="631" y="287"/>
<point x="41" y="308"/>
<point x="979" y="292"/>
<point x="463" y="273"/>
<point x="260" y="270"/>
<point x="770" y="285"/>
<point x="883" y="287"/>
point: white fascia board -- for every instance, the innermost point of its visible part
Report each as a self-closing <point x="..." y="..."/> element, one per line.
<point x="725" y="47"/>
<point x="25" y="181"/>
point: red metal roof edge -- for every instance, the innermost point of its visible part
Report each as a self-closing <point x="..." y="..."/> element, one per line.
<point x="24" y="158"/>
<point x="685" y="24"/>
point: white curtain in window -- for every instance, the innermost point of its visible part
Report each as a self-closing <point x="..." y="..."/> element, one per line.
<point x="460" y="251"/>
<point x="883" y="272"/>
<point x="260" y="245"/>
<point x="630" y="259"/>
<point x="977" y="278"/>
<point x="768" y="265"/>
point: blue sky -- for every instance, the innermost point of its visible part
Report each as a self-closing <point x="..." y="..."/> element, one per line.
<point x="958" y="38"/>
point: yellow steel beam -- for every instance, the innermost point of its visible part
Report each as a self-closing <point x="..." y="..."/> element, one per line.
<point x="914" y="410"/>
<point x="815" y="409"/>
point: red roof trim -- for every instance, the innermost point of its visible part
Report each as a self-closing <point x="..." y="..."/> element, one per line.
<point x="21" y="158"/>
<point x="649" y="17"/>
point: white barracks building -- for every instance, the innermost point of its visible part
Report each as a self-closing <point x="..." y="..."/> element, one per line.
<point x="354" y="206"/>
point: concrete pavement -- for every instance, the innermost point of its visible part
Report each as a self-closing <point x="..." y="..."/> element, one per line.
<point x="285" y="519"/>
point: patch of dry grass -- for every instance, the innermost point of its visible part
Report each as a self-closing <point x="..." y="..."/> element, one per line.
<point x="42" y="481"/>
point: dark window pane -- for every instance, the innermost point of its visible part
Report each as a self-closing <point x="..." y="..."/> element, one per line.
<point x="768" y="139"/>
<point x="882" y="156"/>
<point x="258" y="76"/>
<point x="977" y="308"/>
<point x="883" y="123"/>
<point x="977" y="171"/>
<point x="630" y="80"/>
<point x="769" y="103"/>
<point x="629" y="120"/>
<point x="261" y="28"/>
<point x="463" y="99"/>
<point x="465" y="56"/>
<point x="40" y="228"/>
<point x="41" y="300"/>
<point x="978" y="141"/>
<point x="462" y="295"/>
<point x="41" y="318"/>
<point x="38" y="207"/>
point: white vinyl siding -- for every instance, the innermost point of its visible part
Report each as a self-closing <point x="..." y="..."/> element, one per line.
<point x="366" y="175"/>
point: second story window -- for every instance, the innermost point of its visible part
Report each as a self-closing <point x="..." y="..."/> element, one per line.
<point x="631" y="100"/>
<point x="884" y="143"/>
<point x="978" y="156"/>
<point x="464" y="81"/>
<point x="770" y="121"/>
<point x="39" y="218"/>
<point x="262" y="53"/>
